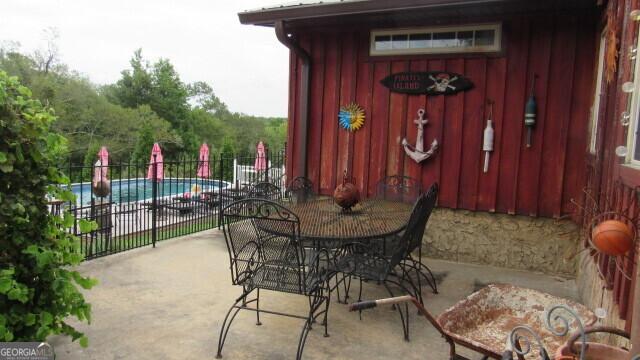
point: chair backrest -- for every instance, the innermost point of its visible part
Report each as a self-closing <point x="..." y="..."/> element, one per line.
<point x="300" y="190"/>
<point x="411" y="239"/>
<point x="261" y="234"/>
<point x="398" y="188"/>
<point x="265" y="190"/>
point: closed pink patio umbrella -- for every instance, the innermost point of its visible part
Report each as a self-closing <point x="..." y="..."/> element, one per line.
<point x="156" y="155"/>
<point x="101" y="166"/>
<point x="203" y="162"/>
<point x="261" y="158"/>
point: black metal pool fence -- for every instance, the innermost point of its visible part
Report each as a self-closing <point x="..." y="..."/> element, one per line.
<point x="133" y="209"/>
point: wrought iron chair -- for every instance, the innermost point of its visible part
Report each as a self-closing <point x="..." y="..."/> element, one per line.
<point x="415" y="264"/>
<point x="398" y="188"/>
<point x="406" y="189"/>
<point x="300" y="190"/>
<point x="265" y="190"/>
<point x="365" y="262"/>
<point x="262" y="238"/>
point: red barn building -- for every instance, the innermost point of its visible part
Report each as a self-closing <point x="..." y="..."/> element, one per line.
<point x="527" y="210"/>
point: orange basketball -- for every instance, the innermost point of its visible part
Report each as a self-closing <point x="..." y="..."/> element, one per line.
<point x="612" y="237"/>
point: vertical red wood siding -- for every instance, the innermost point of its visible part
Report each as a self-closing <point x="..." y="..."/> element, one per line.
<point x="614" y="185"/>
<point x="537" y="181"/>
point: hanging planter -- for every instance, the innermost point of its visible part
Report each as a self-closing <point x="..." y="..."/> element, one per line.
<point x="351" y="117"/>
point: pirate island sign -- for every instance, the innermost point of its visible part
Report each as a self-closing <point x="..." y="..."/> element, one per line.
<point x="430" y="83"/>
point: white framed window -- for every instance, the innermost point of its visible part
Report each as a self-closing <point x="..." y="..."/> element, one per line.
<point x="437" y="40"/>
<point x="633" y="139"/>
<point x="597" y="94"/>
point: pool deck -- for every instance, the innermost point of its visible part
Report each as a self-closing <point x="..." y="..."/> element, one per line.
<point x="169" y="302"/>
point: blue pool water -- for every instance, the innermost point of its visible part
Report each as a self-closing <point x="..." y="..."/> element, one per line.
<point x="128" y="190"/>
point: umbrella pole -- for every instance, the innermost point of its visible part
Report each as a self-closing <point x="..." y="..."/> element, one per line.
<point x="154" y="200"/>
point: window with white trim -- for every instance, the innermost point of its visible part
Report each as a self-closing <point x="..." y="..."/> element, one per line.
<point x="597" y="94"/>
<point x="633" y="140"/>
<point x="437" y="40"/>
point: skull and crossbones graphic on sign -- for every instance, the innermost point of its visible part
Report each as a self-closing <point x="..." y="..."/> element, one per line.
<point x="442" y="82"/>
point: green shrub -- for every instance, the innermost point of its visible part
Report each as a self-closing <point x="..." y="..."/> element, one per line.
<point x="38" y="287"/>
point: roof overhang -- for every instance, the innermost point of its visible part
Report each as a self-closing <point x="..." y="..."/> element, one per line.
<point x="331" y="10"/>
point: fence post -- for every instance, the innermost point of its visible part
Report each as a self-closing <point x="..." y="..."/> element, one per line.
<point x="282" y="160"/>
<point x="267" y="163"/>
<point x="234" y="171"/>
<point x="154" y="200"/>
<point x="220" y="190"/>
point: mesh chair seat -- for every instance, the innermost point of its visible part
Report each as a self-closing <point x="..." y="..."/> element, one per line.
<point x="278" y="277"/>
<point x="363" y="266"/>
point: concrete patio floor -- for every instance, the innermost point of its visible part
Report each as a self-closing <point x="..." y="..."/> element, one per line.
<point x="169" y="303"/>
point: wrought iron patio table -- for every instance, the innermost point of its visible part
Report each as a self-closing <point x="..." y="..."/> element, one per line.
<point x="324" y="223"/>
<point x="324" y="226"/>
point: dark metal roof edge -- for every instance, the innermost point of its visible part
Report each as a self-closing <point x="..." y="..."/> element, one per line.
<point x="267" y="17"/>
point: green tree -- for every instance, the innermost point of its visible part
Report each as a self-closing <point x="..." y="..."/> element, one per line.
<point x="181" y="116"/>
<point x="169" y="95"/>
<point x="38" y="286"/>
<point x="144" y="144"/>
<point x="134" y="88"/>
<point x="202" y="95"/>
<point x="227" y="153"/>
<point x="92" y="154"/>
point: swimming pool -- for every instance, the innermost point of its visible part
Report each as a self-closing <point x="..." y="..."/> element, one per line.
<point x="128" y="190"/>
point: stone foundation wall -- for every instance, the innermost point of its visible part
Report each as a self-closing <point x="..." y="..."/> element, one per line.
<point x="509" y="241"/>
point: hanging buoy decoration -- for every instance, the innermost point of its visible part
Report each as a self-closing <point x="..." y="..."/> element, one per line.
<point x="487" y="143"/>
<point x="612" y="237"/>
<point x="531" y="111"/>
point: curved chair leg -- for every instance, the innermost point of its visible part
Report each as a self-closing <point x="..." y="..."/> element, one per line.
<point x="432" y="281"/>
<point x="360" y="297"/>
<point x="338" y="286"/>
<point x="406" y="278"/>
<point x="347" y="288"/>
<point x="258" y="308"/>
<point x="315" y="301"/>
<point x="417" y="289"/>
<point x="406" y="305"/>
<point x="326" y="311"/>
<point x="303" y="338"/>
<point x="405" y="327"/>
<point x="417" y="267"/>
<point x="226" y="324"/>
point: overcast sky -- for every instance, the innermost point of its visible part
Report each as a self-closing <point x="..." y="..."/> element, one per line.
<point x="245" y="64"/>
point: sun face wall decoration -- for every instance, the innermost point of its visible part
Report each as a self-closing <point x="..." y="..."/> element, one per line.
<point x="351" y="117"/>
